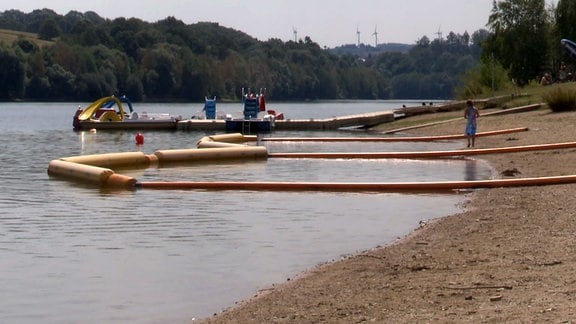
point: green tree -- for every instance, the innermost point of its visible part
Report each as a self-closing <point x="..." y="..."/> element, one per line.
<point x="485" y="78"/>
<point x="566" y="19"/>
<point x="48" y="30"/>
<point x="11" y="74"/>
<point x="133" y="88"/>
<point x="62" y="82"/>
<point x="519" y="39"/>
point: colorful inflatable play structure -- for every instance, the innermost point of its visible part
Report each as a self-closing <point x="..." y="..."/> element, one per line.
<point x="108" y="113"/>
<point x="98" y="170"/>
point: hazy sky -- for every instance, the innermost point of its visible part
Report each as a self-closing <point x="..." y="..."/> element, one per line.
<point x="328" y="22"/>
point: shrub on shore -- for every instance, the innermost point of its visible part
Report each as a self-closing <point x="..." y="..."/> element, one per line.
<point x="560" y="98"/>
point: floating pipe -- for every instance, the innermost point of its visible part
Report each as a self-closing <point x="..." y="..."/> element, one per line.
<point x="389" y="139"/>
<point x="210" y="144"/>
<point x="96" y="168"/>
<point x="357" y="187"/>
<point x="233" y="138"/>
<point x="192" y="155"/>
<point x="81" y="172"/>
<point x="419" y="155"/>
<point x="88" y="173"/>
<point x="152" y="160"/>
<point x="225" y="140"/>
<point x="111" y="160"/>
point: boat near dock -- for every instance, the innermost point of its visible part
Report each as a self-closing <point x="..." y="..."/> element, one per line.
<point x="109" y="113"/>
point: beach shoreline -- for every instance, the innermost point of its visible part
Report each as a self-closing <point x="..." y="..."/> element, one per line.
<point x="508" y="256"/>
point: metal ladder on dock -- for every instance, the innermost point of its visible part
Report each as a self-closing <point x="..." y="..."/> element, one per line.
<point x="246" y="126"/>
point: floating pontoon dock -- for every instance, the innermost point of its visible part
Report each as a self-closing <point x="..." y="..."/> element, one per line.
<point x="359" y="120"/>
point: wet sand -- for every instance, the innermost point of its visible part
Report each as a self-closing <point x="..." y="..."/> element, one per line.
<point x="509" y="256"/>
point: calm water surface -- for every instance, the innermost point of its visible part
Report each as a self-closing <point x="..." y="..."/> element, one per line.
<point x="73" y="254"/>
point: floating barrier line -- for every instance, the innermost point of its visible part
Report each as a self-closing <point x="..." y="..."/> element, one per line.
<point x="421" y="155"/>
<point x="390" y="139"/>
<point x="498" y="112"/>
<point x="96" y="169"/>
<point x="357" y="187"/>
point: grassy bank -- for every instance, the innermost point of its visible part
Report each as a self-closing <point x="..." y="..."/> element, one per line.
<point x="11" y="36"/>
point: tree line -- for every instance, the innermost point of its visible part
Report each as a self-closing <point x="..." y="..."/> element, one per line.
<point x="168" y="60"/>
<point x="523" y="44"/>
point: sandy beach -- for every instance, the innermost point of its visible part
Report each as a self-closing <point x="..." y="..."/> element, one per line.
<point x="509" y="256"/>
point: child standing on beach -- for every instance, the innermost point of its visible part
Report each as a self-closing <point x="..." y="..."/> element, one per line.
<point x="471" y="114"/>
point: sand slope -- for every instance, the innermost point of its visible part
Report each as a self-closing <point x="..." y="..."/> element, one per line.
<point x="510" y="256"/>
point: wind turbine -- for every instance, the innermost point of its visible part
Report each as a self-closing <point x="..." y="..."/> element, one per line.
<point x="375" y="34"/>
<point x="358" y="35"/>
<point x="439" y="33"/>
<point x="295" y="34"/>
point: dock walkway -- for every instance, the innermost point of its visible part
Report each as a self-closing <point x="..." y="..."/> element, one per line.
<point x="359" y="120"/>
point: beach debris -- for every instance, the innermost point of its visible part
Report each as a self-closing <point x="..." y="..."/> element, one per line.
<point x="418" y="268"/>
<point x="496" y="298"/>
<point x="551" y="263"/>
<point x="510" y="172"/>
<point x="499" y="287"/>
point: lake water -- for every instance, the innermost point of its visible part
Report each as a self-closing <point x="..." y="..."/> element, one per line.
<point x="74" y="254"/>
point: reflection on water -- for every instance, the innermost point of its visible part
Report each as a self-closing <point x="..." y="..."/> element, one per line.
<point x="77" y="254"/>
<point x="470" y="170"/>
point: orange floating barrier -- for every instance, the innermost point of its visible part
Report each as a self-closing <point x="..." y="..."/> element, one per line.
<point x="421" y="155"/>
<point x="498" y="112"/>
<point x="358" y="187"/>
<point x="389" y="138"/>
<point x="120" y="181"/>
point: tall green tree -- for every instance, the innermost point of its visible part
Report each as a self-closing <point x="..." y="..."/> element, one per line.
<point x="49" y="29"/>
<point x="519" y="39"/>
<point x="11" y="75"/>
<point x="566" y="19"/>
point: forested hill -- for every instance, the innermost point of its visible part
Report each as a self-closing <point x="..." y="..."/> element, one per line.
<point x="82" y="56"/>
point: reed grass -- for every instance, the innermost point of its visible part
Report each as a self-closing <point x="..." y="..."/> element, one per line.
<point x="560" y="97"/>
